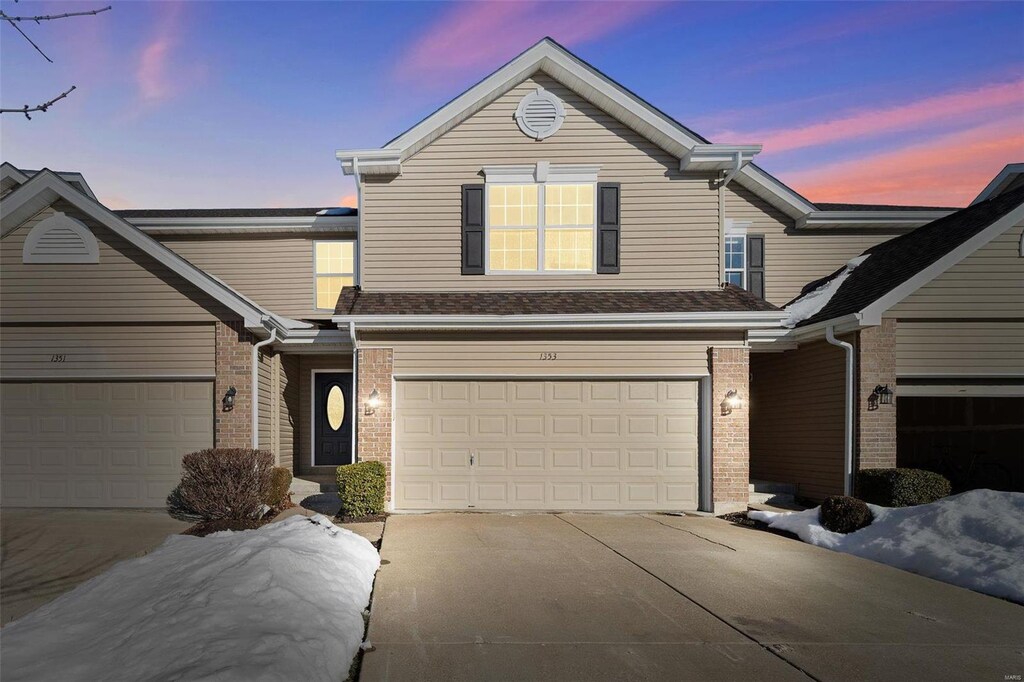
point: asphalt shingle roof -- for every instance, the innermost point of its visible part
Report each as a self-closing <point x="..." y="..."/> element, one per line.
<point x="354" y="301"/>
<point x="893" y="262"/>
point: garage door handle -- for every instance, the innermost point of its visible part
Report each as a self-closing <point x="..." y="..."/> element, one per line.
<point x="471" y="459"/>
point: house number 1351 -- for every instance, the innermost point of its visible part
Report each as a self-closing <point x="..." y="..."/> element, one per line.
<point x="58" y="358"/>
<point x="549" y="356"/>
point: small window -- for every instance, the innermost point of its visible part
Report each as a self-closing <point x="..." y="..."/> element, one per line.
<point x="334" y="265"/>
<point x="524" y="238"/>
<point x="736" y="259"/>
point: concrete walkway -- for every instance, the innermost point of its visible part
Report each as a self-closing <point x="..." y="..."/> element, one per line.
<point x="601" y="597"/>
<point x="46" y="552"/>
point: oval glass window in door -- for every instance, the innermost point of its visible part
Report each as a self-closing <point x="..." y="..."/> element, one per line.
<point x="335" y="407"/>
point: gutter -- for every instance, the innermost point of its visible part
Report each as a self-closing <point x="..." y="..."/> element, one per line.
<point x="848" y="422"/>
<point x="256" y="381"/>
<point x="765" y="319"/>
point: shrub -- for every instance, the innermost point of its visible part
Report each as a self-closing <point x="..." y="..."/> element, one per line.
<point x="225" y="483"/>
<point x="901" y="487"/>
<point x="280" y="482"/>
<point x="841" y="514"/>
<point x="361" y="489"/>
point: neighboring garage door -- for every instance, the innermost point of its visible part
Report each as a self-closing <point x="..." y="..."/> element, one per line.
<point x="99" y="444"/>
<point x="600" y="445"/>
<point x="975" y="442"/>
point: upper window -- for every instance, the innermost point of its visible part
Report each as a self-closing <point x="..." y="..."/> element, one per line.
<point x="334" y="267"/>
<point x="736" y="260"/>
<point x="540" y="227"/>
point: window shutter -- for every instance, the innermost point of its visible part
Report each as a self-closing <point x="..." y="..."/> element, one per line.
<point x="755" y="264"/>
<point x="472" y="229"/>
<point x="608" y="228"/>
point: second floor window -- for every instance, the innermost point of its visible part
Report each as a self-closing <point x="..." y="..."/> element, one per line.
<point x="736" y="259"/>
<point x="334" y="268"/>
<point x="544" y="228"/>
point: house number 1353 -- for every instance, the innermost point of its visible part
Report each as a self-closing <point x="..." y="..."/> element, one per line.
<point x="549" y="356"/>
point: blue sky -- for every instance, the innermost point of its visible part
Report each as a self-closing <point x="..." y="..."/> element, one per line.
<point x="243" y="103"/>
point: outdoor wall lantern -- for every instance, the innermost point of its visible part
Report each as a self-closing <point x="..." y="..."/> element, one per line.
<point x="373" y="402"/>
<point x="229" y="399"/>
<point x="731" y="402"/>
<point x="882" y="395"/>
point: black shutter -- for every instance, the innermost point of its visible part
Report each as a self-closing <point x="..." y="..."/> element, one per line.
<point x="472" y="229"/>
<point x="755" y="264"/>
<point x="608" y="228"/>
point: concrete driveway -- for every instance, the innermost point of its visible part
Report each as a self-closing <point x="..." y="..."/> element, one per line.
<point x="654" y="597"/>
<point x="46" y="552"/>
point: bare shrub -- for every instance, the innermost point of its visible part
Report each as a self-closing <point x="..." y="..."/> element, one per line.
<point x="226" y="483"/>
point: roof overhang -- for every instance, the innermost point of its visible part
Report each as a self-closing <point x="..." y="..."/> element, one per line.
<point x="330" y="224"/>
<point x="705" y="320"/>
<point x="718" y="157"/>
<point x="551" y="58"/>
<point x="45" y="187"/>
<point x="869" y="219"/>
<point x="1007" y="177"/>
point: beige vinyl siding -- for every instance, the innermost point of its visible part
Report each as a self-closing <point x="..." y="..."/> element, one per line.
<point x="102" y="351"/>
<point x="792" y="258"/>
<point x="276" y="272"/>
<point x="952" y="348"/>
<point x="342" y="363"/>
<point x="607" y="354"/>
<point x="987" y="284"/>
<point x="126" y="285"/>
<point x="288" y="413"/>
<point x="796" y="418"/>
<point x="412" y="224"/>
<point x="268" y="402"/>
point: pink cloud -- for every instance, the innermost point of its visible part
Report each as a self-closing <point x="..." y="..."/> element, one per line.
<point x="945" y="108"/>
<point x="948" y="171"/>
<point x="475" y="35"/>
<point x="161" y="72"/>
<point x="350" y="200"/>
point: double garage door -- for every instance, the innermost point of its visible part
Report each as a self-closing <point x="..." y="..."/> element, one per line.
<point x="596" y="445"/>
<point x="99" y="444"/>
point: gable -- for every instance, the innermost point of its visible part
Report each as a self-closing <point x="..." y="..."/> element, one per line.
<point x="988" y="283"/>
<point x="125" y="284"/>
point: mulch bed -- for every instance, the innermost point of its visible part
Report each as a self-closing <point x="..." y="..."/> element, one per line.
<point x="741" y="519"/>
<point x="204" y="528"/>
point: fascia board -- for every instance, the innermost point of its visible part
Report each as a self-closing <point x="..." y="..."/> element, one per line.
<point x="853" y="219"/>
<point x="766" y="320"/>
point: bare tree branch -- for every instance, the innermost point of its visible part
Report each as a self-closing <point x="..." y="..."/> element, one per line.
<point x="39" y="107"/>
<point x="23" y="35"/>
<point x="50" y="17"/>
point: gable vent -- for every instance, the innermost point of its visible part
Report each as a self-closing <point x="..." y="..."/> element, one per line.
<point x="540" y="114"/>
<point x="60" y="239"/>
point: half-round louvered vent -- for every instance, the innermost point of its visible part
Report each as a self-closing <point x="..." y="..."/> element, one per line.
<point x="540" y="114"/>
<point x="60" y="239"/>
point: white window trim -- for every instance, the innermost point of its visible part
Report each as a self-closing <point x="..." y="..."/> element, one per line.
<point x="735" y="228"/>
<point x="317" y="275"/>
<point x="541" y="232"/>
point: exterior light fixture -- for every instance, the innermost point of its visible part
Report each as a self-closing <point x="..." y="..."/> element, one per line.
<point x="732" y="401"/>
<point x="229" y="399"/>
<point x="882" y="395"/>
<point x="373" y="402"/>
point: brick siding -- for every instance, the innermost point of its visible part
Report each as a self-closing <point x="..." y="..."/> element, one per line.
<point x="730" y="371"/>
<point x="234" y="364"/>
<point x="876" y="365"/>
<point x="374" y="430"/>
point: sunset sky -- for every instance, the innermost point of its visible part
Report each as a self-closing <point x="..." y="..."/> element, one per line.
<point x="218" y="104"/>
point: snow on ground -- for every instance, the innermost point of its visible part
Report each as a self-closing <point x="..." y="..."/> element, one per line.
<point x="283" y="602"/>
<point x="811" y="303"/>
<point x="974" y="540"/>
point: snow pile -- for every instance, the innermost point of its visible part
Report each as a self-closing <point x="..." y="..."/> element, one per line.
<point x="974" y="540"/>
<point x="284" y="602"/>
<point x="811" y="303"/>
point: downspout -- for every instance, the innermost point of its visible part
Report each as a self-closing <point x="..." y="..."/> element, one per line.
<point x="848" y="431"/>
<point x="737" y="165"/>
<point x="359" y="223"/>
<point x="355" y="387"/>
<point x="256" y="385"/>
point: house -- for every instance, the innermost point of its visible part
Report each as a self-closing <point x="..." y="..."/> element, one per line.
<point x="553" y="296"/>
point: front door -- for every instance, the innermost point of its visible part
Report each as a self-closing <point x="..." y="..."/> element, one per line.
<point x="332" y="418"/>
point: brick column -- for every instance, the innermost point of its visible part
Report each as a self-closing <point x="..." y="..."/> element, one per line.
<point x="233" y="366"/>
<point x="876" y="365"/>
<point x="730" y="371"/>
<point x="373" y="439"/>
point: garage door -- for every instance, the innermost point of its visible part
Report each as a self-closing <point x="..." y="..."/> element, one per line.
<point x="598" y="445"/>
<point x="95" y="444"/>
